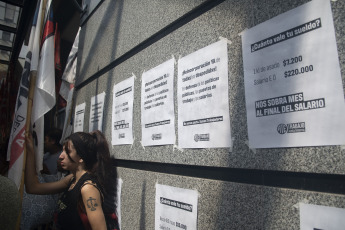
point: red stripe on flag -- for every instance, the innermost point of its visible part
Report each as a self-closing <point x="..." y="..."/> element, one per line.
<point x="48" y="31"/>
<point x="17" y="146"/>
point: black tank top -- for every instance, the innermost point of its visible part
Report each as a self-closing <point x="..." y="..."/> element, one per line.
<point x="69" y="210"/>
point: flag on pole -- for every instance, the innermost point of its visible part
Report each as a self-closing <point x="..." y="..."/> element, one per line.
<point x="67" y="87"/>
<point x="15" y="153"/>
<point x="68" y="77"/>
<point x="44" y="95"/>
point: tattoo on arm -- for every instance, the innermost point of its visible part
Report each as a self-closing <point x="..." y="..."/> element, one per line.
<point x="92" y="204"/>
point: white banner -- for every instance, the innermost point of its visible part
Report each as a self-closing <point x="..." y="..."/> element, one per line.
<point x="79" y="113"/>
<point x="122" y="113"/>
<point x="157" y="105"/>
<point x="293" y="86"/>
<point x="96" y="112"/>
<point x="203" y="100"/>
<point x="319" y="217"/>
<point x="176" y="208"/>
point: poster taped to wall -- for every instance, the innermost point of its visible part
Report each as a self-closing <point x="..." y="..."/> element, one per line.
<point x="79" y="118"/>
<point x="122" y="113"/>
<point x="157" y="105"/>
<point x="175" y="208"/>
<point x="96" y="112"/>
<point x="203" y="100"/>
<point x="118" y="200"/>
<point x="293" y="87"/>
<point x="321" y="217"/>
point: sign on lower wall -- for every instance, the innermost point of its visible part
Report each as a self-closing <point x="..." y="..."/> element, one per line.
<point x="175" y="208"/>
<point x="203" y="100"/>
<point x="293" y="87"/>
<point x="157" y="105"/>
<point x="317" y="217"/>
<point x="122" y="113"/>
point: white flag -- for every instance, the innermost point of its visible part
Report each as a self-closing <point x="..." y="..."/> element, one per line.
<point x="15" y="151"/>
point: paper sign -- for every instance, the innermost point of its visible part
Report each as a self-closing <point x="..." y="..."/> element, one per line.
<point x="118" y="200"/>
<point x="157" y="105"/>
<point x="96" y="112"/>
<point x="317" y="217"/>
<point x="79" y="118"/>
<point x="122" y="115"/>
<point x="293" y="86"/>
<point x="203" y="101"/>
<point x="176" y="208"/>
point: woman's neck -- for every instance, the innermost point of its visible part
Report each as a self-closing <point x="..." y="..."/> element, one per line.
<point x="79" y="173"/>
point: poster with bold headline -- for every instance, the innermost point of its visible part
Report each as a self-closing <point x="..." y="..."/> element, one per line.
<point x="122" y="113"/>
<point x="203" y="100"/>
<point x="96" y="112"/>
<point x="293" y="87"/>
<point x="318" y="217"/>
<point x="175" y="208"/>
<point x="157" y="105"/>
<point x="79" y="118"/>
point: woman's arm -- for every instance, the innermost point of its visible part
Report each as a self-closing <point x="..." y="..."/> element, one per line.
<point x="32" y="185"/>
<point x="93" y="206"/>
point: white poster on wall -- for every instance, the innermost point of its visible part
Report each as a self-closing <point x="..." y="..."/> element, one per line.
<point x="317" y="217"/>
<point x="175" y="208"/>
<point x="293" y="86"/>
<point x="96" y="112"/>
<point x="79" y="118"/>
<point x="122" y="112"/>
<point x="203" y="99"/>
<point x="157" y="105"/>
<point x="118" y="200"/>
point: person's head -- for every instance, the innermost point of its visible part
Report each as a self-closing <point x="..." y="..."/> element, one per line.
<point x="90" y="150"/>
<point x="52" y="140"/>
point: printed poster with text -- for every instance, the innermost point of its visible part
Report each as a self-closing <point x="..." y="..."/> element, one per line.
<point x="157" y="105"/>
<point x="96" y="112"/>
<point x="203" y="100"/>
<point x="79" y="118"/>
<point x="318" y="217"/>
<point x="293" y="86"/>
<point x="122" y="112"/>
<point x="175" y="208"/>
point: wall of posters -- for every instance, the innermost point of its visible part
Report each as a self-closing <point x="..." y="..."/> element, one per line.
<point x="293" y="87"/>
<point x="122" y="112"/>
<point x="176" y="208"/>
<point x="96" y="112"/>
<point x="157" y="105"/>
<point x="203" y="100"/>
<point x="79" y="118"/>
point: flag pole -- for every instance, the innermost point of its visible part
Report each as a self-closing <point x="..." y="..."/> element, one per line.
<point x="33" y="75"/>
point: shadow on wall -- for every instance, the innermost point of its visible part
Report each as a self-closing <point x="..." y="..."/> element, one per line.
<point x="142" y="221"/>
<point x="104" y="23"/>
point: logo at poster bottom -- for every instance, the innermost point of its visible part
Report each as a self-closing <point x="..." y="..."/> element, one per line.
<point x="202" y="137"/>
<point x="122" y="135"/>
<point x="156" y="136"/>
<point x="291" y="128"/>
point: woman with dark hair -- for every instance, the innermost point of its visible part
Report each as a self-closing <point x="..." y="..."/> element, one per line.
<point x="89" y="192"/>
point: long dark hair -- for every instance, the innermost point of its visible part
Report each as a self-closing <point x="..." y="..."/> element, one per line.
<point x="93" y="148"/>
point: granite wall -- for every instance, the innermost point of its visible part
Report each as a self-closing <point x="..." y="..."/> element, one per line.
<point x="240" y="188"/>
